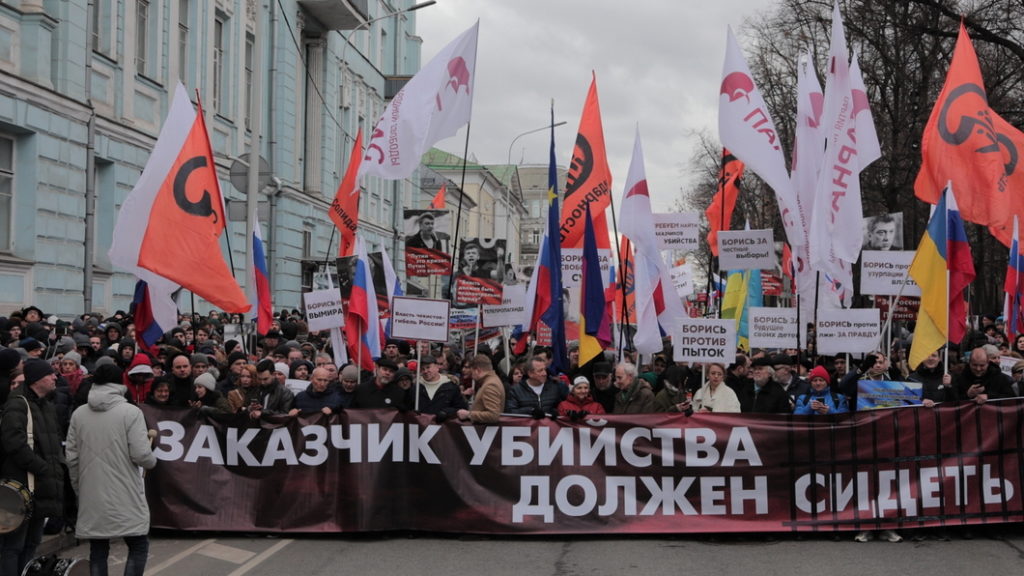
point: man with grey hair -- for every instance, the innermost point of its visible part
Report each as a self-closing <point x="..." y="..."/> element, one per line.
<point x="537" y="395"/>
<point x="762" y="394"/>
<point x="635" y="395"/>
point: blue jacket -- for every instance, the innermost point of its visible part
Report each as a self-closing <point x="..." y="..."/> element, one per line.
<point x="836" y="402"/>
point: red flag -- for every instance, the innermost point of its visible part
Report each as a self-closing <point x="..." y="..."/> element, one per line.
<point x="589" y="182"/>
<point x="344" y="210"/>
<point x="725" y="198"/>
<point x="182" y="239"/>
<point x="439" y="201"/>
<point x="967" y="143"/>
<point x="787" y="265"/>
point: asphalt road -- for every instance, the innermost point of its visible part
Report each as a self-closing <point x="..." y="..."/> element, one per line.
<point x="997" y="550"/>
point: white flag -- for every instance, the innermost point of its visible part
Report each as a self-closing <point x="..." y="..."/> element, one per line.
<point x="746" y="128"/>
<point x="656" y="298"/>
<point x="435" y="103"/>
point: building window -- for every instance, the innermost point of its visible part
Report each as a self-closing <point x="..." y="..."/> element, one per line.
<point x="100" y="41"/>
<point x="6" y="190"/>
<point x="141" y="35"/>
<point x="250" y="42"/>
<point x="218" y="64"/>
<point x="183" y="14"/>
<point x="307" y="243"/>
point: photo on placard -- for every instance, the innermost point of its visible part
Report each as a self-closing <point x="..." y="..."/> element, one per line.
<point x="346" y="274"/>
<point x="884" y="232"/>
<point x="480" y="272"/>
<point x="427" y="237"/>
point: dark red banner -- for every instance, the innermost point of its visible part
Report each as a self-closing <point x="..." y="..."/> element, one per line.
<point x="658" y="473"/>
<point x="427" y="262"/>
<point x="906" y="308"/>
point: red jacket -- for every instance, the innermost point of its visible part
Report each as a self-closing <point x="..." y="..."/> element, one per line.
<point x="574" y="404"/>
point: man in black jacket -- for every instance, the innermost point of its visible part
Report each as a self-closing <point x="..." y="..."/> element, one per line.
<point x="38" y="464"/>
<point x="982" y="381"/>
<point x="763" y="394"/>
<point x="378" y="390"/>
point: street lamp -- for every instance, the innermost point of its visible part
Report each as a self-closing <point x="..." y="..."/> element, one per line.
<point x="348" y="39"/>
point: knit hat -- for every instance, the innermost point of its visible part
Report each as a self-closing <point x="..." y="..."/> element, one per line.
<point x="104" y="361"/>
<point x="282" y="368"/>
<point x="73" y="357"/>
<point x="236" y="356"/>
<point x="65" y="344"/>
<point x="580" y="380"/>
<point x="820" y="372"/>
<point x="29" y="344"/>
<point x="36" y="370"/>
<point x="198" y="358"/>
<point x="9" y="358"/>
<point x="108" y="374"/>
<point x="207" y="381"/>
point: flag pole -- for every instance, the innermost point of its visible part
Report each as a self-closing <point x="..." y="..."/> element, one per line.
<point x="458" y="215"/>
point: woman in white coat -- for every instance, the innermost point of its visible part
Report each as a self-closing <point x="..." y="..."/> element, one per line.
<point x="715" y="395"/>
<point x="107" y="444"/>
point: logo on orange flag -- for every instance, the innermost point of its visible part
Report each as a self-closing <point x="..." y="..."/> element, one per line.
<point x="182" y="239"/>
<point x="626" y="294"/>
<point x="589" y="181"/>
<point x="967" y="143"/>
<point x="344" y="211"/>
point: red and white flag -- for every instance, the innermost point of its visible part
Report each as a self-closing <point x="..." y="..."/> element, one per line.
<point x="850" y="146"/>
<point x="435" y="103"/>
<point x="656" y="298"/>
<point x="168" y="228"/>
<point x="746" y="128"/>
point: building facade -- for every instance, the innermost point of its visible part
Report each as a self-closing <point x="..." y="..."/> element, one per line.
<point x="84" y="89"/>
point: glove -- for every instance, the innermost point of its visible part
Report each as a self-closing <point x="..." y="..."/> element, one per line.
<point x="577" y="415"/>
<point x="868" y="363"/>
<point x="442" y="416"/>
<point x="538" y="413"/>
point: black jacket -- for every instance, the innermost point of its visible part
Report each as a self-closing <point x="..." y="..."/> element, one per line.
<point x="771" y="399"/>
<point x="45" y="460"/>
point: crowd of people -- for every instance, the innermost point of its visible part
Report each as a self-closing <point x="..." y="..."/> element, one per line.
<point x="69" y="386"/>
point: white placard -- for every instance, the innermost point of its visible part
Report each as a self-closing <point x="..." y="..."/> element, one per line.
<point x="882" y="272"/>
<point x="511" y="311"/>
<point x="852" y="331"/>
<point x="677" y="231"/>
<point x="772" y="327"/>
<point x="705" y="340"/>
<point x="323" y="309"/>
<point x="572" y="266"/>
<point x="419" y="319"/>
<point x="746" y="250"/>
<point x="682" y="279"/>
<point x="1006" y="364"/>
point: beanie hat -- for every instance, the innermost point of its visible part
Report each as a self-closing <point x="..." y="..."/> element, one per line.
<point x="350" y="372"/>
<point x="104" y="361"/>
<point x="74" y="357"/>
<point x="820" y="372"/>
<point x="199" y="358"/>
<point x="9" y="359"/>
<point x="207" y="381"/>
<point x="65" y="344"/>
<point x="282" y="368"/>
<point x="108" y="374"/>
<point x="29" y="344"/>
<point x="36" y="370"/>
<point x="236" y="356"/>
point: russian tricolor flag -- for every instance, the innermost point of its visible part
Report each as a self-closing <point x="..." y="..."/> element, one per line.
<point x="259" y="279"/>
<point x="147" y="328"/>
<point x="362" y="323"/>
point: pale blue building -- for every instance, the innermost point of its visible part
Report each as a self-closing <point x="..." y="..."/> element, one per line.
<point x="84" y="89"/>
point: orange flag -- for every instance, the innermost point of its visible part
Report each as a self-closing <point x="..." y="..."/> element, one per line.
<point x="182" y="238"/>
<point x="725" y="198"/>
<point x="589" y="181"/>
<point x="967" y="143"/>
<point x="439" y="200"/>
<point x="344" y="211"/>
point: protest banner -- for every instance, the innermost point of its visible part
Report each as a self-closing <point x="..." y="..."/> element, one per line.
<point x="705" y="340"/>
<point x="874" y="394"/>
<point x="772" y="327"/>
<point x="746" y="250"/>
<point x="882" y="273"/>
<point x="420" y="319"/>
<point x="427" y="235"/>
<point x="385" y="470"/>
<point x="323" y="309"/>
<point x="677" y="231"/>
<point x="511" y="311"/>
<point x="847" y="331"/>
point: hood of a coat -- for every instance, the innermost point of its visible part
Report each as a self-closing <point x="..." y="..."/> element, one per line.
<point x="103" y="397"/>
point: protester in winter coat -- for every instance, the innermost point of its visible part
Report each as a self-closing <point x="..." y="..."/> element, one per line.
<point x="579" y="403"/>
<point x="820" y="400"/>
<point x="107" y="443"/>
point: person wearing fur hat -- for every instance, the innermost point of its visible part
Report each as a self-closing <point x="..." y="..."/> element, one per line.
<point x="820" y="400"/>
<point x="39" y="465"/>
<point x="107" y="442"/>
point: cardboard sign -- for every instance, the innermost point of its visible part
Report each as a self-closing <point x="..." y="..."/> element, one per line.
<point x="511" y="311"/>
<point x="852" y="331"/>
<point x="419" y="319"/>
<point x="746" y="250"/>
<point x="682" y="279"/>
<point x="882" y="273"/>
<point x="677" y="231"/>
<point x="705" y="340"/>
<point x="773" y="327"/>
<point x="323" y="309"/>
<point x="572" y="266"/>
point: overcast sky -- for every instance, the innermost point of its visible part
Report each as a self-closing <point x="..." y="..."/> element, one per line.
<point x="658" y="65"/>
